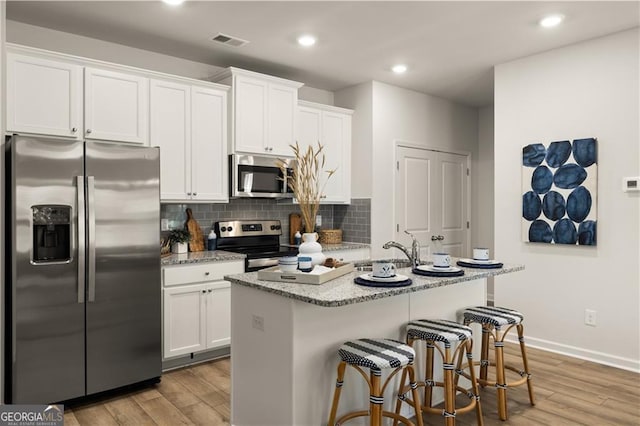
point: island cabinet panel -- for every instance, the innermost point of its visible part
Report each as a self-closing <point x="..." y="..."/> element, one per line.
<point x="197" y="307"/>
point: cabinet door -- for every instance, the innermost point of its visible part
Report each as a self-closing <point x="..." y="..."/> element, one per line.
<point x="185" y="320"/>
<point x="116" y="106"/>
<point x="43" y="97"/>
<point x="250" y="115"/>
<point x="209" y="145"/>
<point x="309" y="127"/>
<point x="336" y="138"/>
<point x="219" y="315"/>
<point x="170" y="111"/>
<point x="283" y="102"/>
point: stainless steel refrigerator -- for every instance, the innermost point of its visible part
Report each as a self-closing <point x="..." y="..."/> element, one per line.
<point x="82" y="289"/>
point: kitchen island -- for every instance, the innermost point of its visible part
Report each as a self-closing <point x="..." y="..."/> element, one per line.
<point x="286" y="336"/>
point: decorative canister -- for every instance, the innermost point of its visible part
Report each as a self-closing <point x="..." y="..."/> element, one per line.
<point x="311" y="247"/>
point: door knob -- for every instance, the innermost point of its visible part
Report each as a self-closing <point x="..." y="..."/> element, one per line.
<point x="75" y="129"/>
<point x="89" y="130"/>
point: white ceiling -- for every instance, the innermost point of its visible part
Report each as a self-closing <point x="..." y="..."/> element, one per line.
<point x="450" y="47"/>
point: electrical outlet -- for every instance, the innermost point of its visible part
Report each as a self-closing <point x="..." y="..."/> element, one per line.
<point x="318" y="220"/>
<point x="257" y="322"/>
<point x="590" y="317"/>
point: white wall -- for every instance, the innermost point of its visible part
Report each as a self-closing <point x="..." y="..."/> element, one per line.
<point x="584" y="90"/>
<point x="407" y="115"/>
<point x="359" y="98"/>
<point x="482" y="234"/>
<point x="73" y="44"/>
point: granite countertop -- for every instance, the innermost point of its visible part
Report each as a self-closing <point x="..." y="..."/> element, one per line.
<point x="200" y="257"/>
<point x="333" y="247"/>
<point x="343" y="291"/>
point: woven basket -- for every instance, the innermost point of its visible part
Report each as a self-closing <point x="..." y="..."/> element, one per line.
<point x="330" y="236"/>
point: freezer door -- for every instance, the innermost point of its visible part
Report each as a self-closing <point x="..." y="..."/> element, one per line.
<point x="123" y="265"/>
<point x="44" y="293"/>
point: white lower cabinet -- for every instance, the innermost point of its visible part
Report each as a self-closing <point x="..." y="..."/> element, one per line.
<point x="350" y="255"/>
<point x="197" y="307"/>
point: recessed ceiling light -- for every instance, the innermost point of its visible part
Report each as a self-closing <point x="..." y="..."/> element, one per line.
<point x="306" y="40"/>
<point x="173" y="2"/>
<point x="551" y="21"/>
<point x="399" y="69"/>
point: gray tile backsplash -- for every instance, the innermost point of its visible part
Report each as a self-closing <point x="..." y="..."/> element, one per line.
<point x="353" y="219"/>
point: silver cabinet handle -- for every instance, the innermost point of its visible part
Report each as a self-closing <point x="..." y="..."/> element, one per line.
<point x="81" y="237"/>
<point x="206" y="273"/>
<point x="437" y="238"/>
<point x="188" y="193"/>
<point x="195" y="193"/>
<point x="89" y="130"/>
<point x="73" y="130"/>
<point x="210" y="290"/>
<point x="204" y="291"/>
<point x="91" y="275"/>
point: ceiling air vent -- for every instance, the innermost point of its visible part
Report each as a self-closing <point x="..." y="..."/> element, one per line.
<point x="229" y="40"/>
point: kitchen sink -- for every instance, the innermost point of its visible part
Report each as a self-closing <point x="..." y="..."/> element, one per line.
<point x="399" y="263"/>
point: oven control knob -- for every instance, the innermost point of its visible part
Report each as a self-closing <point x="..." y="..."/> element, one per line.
<point x="229" y="229"/>
<point x="223" y="229"/>
<point x="278" y="226"/>
<point x="273" y="227"/>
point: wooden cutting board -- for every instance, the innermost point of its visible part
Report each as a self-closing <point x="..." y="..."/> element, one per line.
<point x="197" y="240"/>
<point x="295" y="224"/>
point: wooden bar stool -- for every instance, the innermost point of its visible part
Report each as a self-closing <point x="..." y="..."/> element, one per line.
<point x="376" y="355"/>
<point x="496" y="323"/>
<point x="448" y="333"/>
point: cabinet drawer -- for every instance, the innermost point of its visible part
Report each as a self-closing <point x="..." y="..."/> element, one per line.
<point x="187" y="274"/>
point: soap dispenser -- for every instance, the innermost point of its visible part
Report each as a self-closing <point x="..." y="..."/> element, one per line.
<point x="212" y="241"/>
<point x="297" y="238"/>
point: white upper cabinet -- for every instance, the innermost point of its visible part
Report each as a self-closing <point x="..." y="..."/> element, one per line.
<point x="331" y="126"/>
<point x="188" y="123"/>
<point x="116" y="106"/>
<point x="263" y="112"/>
<point x="44" y="97"/>
<point x="58" y="95"/>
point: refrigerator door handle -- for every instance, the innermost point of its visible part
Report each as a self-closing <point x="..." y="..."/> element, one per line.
<point x="91" y="246"/>
<point x="81" y="237"/>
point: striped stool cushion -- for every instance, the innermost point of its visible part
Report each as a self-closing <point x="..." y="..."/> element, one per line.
<point x="376" y="354"/>
<point x="439" y="331"/>
<point x="492" y="315"/>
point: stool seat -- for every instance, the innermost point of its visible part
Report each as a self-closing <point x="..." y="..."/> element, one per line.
<point x="493" y="315"/>
<point x="376" y="354"/>
<point x="444" y="331"/>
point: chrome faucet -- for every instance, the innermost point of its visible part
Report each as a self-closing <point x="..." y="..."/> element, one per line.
<point x="414" y="256"/>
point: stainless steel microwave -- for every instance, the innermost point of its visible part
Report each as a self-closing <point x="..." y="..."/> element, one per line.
<point x="258" y="176"/>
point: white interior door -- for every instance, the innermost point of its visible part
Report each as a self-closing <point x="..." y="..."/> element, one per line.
<point x="431" y="202"/>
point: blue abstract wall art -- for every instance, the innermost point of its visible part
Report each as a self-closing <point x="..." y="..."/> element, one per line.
<point x="559" y="192"/>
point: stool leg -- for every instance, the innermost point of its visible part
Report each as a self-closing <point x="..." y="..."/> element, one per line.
<point x="501" y="385"/>
<point x="484" y="351"/>
<point x="474" y="382"/>
<point x="336" y="394"/>
<point x="375" y="399"/>
<point x="414" y="393"/>
<point x="449" y="390"/>
<point x="428" y="388"/>
<point x="399" y="401"/>
<point x="525" y="364"/>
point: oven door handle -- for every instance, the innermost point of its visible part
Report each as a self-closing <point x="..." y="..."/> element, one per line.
<point x="262" y="263"/>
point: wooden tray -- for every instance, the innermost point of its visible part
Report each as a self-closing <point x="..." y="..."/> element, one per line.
<point x="274" y="274"/>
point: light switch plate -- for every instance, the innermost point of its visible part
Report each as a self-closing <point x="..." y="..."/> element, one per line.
<point x="631" y="184"/>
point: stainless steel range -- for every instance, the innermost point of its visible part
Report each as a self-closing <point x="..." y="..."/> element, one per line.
<point x="258" y="239"/>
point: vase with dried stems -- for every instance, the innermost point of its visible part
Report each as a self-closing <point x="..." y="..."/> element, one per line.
<point x="308" y="180"/>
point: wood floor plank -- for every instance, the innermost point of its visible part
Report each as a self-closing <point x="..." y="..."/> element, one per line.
<point x="203" y="414"/>
<point x="164" y="413"/>
<point x="176" y="392"/>
<point x="94" y="414"/>
<point x="70" y="418"/>
<point x="127" y="412"/>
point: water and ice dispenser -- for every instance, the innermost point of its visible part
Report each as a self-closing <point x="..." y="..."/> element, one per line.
<point x="51" y="233"/>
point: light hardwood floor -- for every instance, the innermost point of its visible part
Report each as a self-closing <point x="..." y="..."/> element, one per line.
<point x="568" y="392"/>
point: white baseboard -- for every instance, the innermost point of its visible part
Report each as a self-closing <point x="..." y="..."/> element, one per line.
<point x="581" y="353"/>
